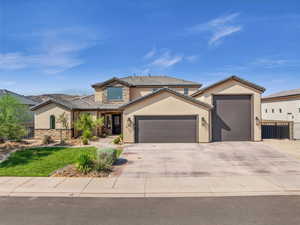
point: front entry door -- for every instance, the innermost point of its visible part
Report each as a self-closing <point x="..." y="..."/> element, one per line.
<point x="116" y="124"/>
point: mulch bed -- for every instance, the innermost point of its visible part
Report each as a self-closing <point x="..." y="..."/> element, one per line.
<point x="71" y="171"/>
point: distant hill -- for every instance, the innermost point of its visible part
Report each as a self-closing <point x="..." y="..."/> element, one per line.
<point x="44" y="97"/>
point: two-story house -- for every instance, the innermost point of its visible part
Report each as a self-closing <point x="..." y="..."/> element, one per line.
<point x="157" y="109"/>
<point x="283" y="106"/>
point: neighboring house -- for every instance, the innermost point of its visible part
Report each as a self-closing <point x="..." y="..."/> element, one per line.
<point x="45" y="97"/>
<point x="283" y="106"/>
<point x="24" y="100"/>
<point x="156" y="109"/>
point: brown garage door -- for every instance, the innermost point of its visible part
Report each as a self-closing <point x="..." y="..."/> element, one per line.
<point x="166" y="129"/>
<point x="232" y="118"/>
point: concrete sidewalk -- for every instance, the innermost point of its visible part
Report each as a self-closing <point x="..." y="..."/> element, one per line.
<point x="150" y="187"/>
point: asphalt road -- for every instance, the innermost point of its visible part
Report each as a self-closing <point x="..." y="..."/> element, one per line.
<point x="277" y="210"/>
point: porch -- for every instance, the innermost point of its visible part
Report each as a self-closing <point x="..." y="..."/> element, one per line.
<point x="112" y="122"/>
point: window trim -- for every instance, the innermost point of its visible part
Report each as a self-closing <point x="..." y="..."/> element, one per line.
<point x="52" y="122"/>
<point x="114" y="99"/>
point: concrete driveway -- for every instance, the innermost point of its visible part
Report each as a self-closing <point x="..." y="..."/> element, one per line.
<point x="207" y="160"/>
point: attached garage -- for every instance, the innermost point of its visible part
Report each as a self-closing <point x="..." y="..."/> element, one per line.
<point x="231" y="118"/>
<point x="236" y="113"/>
<point x="166" y="116"/>
<point x="166" y="129"/>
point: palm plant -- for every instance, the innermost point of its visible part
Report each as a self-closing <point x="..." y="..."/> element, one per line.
<point x="85" y="123"/>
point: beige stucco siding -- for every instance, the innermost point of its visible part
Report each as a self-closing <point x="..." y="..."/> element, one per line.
<point x="42" y="116"/>
<point x="166" y="104"/>
<point x="142" y="91"/>
<point x="236" y="88"/>
<point x="101" y="94"/>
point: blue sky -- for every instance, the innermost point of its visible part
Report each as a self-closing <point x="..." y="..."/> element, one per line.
<point x="67" y="45"/>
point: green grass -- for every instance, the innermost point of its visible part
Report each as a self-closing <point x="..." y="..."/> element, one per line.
<point x="41" y="162"/>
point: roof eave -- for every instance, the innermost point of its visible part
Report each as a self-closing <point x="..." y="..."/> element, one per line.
<point x="236" y="78"/>
<point x="99" y="85"/>
<point x="170" y="91"/>
<point x="47" y="102"/>
<point x="169" y="85"/>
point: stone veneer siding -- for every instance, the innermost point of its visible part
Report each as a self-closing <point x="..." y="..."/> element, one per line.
<point x="101" y="94"/>
<point x="53" y="133"/>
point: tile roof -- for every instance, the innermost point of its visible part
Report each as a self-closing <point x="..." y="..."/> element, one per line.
<point x="150" y="81"/>
<point x="284" y="93"/>
<point x="88" y="102"/>
<point x="157" y="80"/>
<point x="24" y="100"/>
<point x="84" y="103"/>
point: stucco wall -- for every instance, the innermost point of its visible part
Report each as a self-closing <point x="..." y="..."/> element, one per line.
<point x="232" y="88"/>
<point x="166" y="104"/>
<point x="290" y="107"/>
<point x="42" y="116"/>
<point x="137" y="92"/>
<point x="290" y="110"/>
<point x="101" y="94"/>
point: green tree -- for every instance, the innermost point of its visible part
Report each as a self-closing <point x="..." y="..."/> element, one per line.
<point x="13" y="115"/>
<point x="63" y="120"/>
<point x="85" y="123"/>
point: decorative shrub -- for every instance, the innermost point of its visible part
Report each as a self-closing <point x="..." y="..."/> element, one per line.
<point x="105" y="158"/>
<point x="84" y="163"/>
<point x="94" y="138"/>
<point x="85" y="141"/>
<point x="47" y="140"/>
<point x="87" y="134"/>
<point x="118" y="140"/>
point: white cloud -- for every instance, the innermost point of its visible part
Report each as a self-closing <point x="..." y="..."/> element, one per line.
<point x="192" y="58"/>
<point x="57" y="51"/>
<point x="167" y="60"/>
<point x="219" y="28"/>
<point x="12" y="61"/>
<point x="150" y="54"/>
<point x="7" y="83"/>
<point x="273" y="63"/>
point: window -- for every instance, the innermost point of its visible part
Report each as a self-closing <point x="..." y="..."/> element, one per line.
<point x="186" y="91"/>
<point x="299" y="110"/>
<point x="266" y="110"/>
<point x="52" y="122"/>
<point x="115" y="93"/>
<point x="280" y="110"/>
<point x="272" y="110"/>
<point x="154" y="89"/>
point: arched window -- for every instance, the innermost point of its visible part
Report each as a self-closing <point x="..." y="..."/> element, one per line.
<point x="52" y="122"/>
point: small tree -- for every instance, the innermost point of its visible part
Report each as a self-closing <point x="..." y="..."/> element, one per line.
<point x="13" y="115"/>
<point x="63" y="120"/>
<point x="86" y="124"/>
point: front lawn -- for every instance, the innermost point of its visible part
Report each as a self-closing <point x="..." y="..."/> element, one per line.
<point x="41" y="162"/>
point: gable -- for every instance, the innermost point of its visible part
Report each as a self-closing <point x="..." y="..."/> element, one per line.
<point x="230" y="87"/>
<point x="229" y="81"/>
<point x="165" y="103"/>
<point x="111" y="82"/>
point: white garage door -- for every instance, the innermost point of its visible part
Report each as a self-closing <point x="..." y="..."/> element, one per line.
<point x="297" y="130"/>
